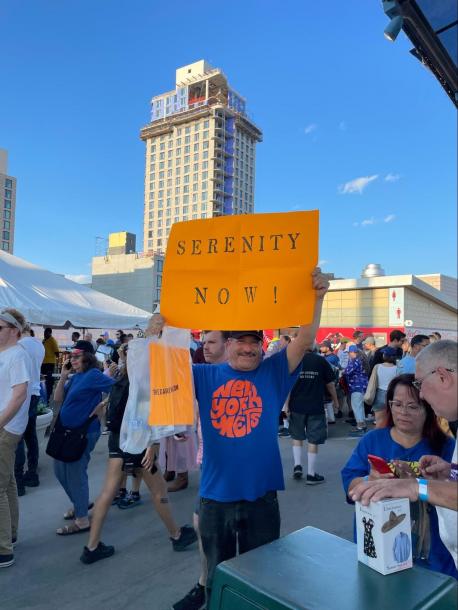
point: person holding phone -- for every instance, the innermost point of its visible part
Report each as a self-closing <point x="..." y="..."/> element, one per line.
<point x="79" y="396"/>
<point x="411" y="432"/>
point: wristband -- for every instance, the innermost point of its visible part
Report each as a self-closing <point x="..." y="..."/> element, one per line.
<point x="366" y="478"/>
<point x="422" y="490"/>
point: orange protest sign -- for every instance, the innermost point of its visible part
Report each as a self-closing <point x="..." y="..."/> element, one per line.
<point x="172" y="398"/>
<point x="241" y="272"/>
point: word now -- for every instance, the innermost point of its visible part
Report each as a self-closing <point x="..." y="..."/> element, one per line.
<point x="223" y="295"/>
<point x="232" y="245"/>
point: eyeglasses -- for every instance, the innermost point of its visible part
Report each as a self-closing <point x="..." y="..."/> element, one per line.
<point x="417" y="383"/>
<point x="411" y="407"/>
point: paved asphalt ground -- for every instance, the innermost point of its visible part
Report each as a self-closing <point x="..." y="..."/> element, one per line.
<point x="145" y="573"/>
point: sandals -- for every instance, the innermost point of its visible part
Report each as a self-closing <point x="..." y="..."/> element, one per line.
<point x="70" y="530"/>
<point x="70" y="514"/>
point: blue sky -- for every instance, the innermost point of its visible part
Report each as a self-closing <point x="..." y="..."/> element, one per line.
<point x="353" y="125"/>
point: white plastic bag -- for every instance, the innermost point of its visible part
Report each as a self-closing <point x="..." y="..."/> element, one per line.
<point x="136" y="434"/>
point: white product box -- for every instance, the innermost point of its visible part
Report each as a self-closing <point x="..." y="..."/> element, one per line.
<point x="383" y="534"/>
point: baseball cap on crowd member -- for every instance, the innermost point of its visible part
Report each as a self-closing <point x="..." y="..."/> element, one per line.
<point x="84" y="346"/>
<point x="389" y="352"/>
<point x="353" y="348"/>
<point x="326" y="343"/>
<point x="237" y="334"/>
<point x="369" y="341"/>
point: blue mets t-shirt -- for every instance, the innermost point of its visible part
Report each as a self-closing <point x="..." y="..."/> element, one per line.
<point x="239" y="418"/>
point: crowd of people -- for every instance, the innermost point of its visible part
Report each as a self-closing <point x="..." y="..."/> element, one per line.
<point x="405" y="391"/>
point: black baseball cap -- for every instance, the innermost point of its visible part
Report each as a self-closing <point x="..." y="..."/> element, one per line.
<point x="84" y="346"/>
<point x="236" y="334"/>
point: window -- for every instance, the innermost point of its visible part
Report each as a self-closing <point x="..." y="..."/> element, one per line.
<point x="186" y="179"/>
<point x="169" y="163"/>
<point x="196" y="167"/>
<point x="195" y="178"/>
<point x="168" y="212"/>
<point x="169" y="173"/>
<point x="6" y="224"/>
<point x="194" y="197"/>
<point x="196" y="126"/>
<point x="187" y="130"/>
<point x="185" y="217"/>
<point x="203" y="215"/>
<point x="177" y="180"/>
<point x="196" y="137"/>
<point x="205" y="135"/>
<point x="178" y="162"/>
<point x="186" y="169"/>
<point x="161" y="156"/>
<point x="178" y="171"/>
<point x="159" y="233"/>
<point x="177" y="190"/>
<point x="161" y="184"/>
<point x="159" y="265"/>
<point x="204" y="186"/>
<point x="185" y="198"/>
<point x="196" y="156"/>
<point x="169" y="154"/>
<point x="167" y="222"/>
<point x="186" y="159"/>
<point x="204" y="207"/>
<point x="179" y="131"/>
<point x="6" y="235"/>
<point x="196" y="148"/>
<point x="177" y="210"/>
<point x="159" y="244"/>
<point x="178" y="152"/>
<point x="150" y="243"/>
<point x="185" y="209"/>
<point x="206" y="145"/>
<point x="195" y="187"/>
<point x="205" y="165"/>
<point x="187" y="140"/>
<point x="159" y="215"/>
<point x="178" y="142"/>
<point x="194" y="216"/>
<point x="204" y="197"/>
<point x="153" y="158"/>
<point x="186" y="188"/>
<point x="187" y="150"/>
<point x="162" y="146"/>
<point x="205" y="154"/>
<point x="194" y="208"/>
<point x="206" y="124"/>
<point x="161" y="165"/>
<point x="204" y="175"/>
<point x="176" y="219"/>
<point x="161" y="175"/>
<point x="153" y="148"/>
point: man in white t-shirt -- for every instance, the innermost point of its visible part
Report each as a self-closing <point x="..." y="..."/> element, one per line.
<point x="36" y="352"/>
<point x="14" y="404"/>
<point x="436" y="378"/>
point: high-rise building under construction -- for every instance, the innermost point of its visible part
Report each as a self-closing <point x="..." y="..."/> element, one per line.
<point x="200" y="153"/>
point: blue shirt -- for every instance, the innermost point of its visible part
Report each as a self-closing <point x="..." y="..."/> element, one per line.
<point x="379" y="442"/>
<point x="83" y="392"/>
<point x="406" y="365"/>
<point x="356" y="376"/>
<point x="239" y="418"/>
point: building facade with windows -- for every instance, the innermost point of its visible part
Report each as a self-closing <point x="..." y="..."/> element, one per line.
<point x="200" y="153"/>
<point x="127" y="275"/>
<point x="7" y="204"/>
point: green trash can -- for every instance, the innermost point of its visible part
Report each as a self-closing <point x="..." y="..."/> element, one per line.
<point x="314" y="570"/>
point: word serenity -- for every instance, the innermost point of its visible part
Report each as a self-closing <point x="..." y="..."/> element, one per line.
<point x="241" y="245"/>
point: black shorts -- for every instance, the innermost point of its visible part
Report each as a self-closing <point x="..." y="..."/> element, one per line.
<point x="130" y="461"/>
<point x="312" y="428"/>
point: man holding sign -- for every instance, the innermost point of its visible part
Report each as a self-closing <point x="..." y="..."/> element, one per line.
<point x="239" y="403"/>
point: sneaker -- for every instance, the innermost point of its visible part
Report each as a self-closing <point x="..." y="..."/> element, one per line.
<point x="339" y="415"/>
<point x="101" y="552"/>
<point x="284" y="433"/>
<point x="187" y="537"/>
<point x="194" y="600"/>
<point x="357" y="432"/>
<point x="122" y="493"/>
<point x="331" y="421"/>
<point x="351" y="420"/>
<point x="297" y="472"/>
<point x="314" y="479"/>
<point x="31" y="479"/>
<point x="129" y="501"/>
<point x="20" y="489"/>
<point x="6" y="561"/>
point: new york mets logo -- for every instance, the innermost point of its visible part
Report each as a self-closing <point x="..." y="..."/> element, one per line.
<point x="236" y="408"/>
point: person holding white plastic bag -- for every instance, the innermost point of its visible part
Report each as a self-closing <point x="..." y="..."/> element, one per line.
<point x="120" y="461"/>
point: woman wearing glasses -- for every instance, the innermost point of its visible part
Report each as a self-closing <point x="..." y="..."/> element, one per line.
<point x="78" y="396"/>
<point x="411" y="431"/>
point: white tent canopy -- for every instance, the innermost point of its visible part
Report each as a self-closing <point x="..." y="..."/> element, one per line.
<point x="49" y="299"/>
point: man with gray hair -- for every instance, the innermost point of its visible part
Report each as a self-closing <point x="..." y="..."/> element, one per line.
<point x="436" y="379"/>
<point x="14" y="404"/>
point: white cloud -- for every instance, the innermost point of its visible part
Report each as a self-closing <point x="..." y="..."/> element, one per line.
<point x="310" y="128"/>
<point x="392" y="177"/>
<point x="389" y="218"/>
<point x="79" y="279"/>
<point x="357" y="185"/>
<point x="368" y="221"/>
<point x="343" y="126"/>
<point x="322" y="263"/>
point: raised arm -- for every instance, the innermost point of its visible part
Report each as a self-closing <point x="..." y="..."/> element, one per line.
<point x="307" y="333"/>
